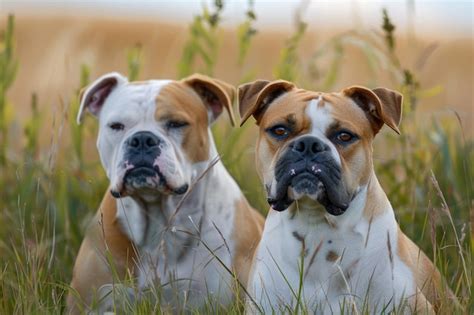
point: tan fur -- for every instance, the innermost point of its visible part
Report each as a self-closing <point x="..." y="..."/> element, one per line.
<point x="288" y="107"/>
<point x="189" y="101"/>
<point x="376" y="200"/>
<point x="248" y="227"/>
<point x="177" y="101"/>
<point x="213" y="91"/>
<point x="332" y="256"/>
<point x="427" y="276"/>
<point x="358" y="157"/>
<point x="92" y="270"/>
<point x="253" y="97"/>
<point x="382" y="105"/>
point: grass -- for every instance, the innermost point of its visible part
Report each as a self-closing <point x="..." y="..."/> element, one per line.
<point x="48" y="193"/>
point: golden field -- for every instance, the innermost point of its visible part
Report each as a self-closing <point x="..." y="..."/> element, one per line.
<point x="51" y="49"/>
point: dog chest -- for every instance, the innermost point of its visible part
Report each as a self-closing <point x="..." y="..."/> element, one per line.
<point x="328" y="263"/>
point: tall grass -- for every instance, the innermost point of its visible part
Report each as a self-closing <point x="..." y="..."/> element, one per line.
<point x="48" y="193"/>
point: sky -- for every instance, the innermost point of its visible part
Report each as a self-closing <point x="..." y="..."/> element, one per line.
<point x="443" y="18"/>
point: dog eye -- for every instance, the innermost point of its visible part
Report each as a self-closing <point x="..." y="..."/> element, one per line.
<point x="279" y="132"/>
<point x="345" y="137"/>
<point x="116" y="126"/>
<point x="176" y="124"/>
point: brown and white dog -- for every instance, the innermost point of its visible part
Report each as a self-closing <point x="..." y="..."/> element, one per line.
<point x="172" y="217"/>
<point x="331" y="243"/>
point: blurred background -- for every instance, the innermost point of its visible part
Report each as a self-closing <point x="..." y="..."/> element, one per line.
<point x="53" y="38"/>
<point x="51" y="181"/>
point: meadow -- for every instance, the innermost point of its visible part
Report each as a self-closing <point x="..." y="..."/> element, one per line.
<point x="50" y="187"/>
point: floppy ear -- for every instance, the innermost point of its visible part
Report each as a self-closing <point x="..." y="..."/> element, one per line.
<point x="93" y="97"/>
<point x="215" y="94"/>
<point x="381" y="105"/>
<point x="255" y="97"/>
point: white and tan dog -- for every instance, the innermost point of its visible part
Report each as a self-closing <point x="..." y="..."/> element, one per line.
<point x="173" y="217"/>
<point x="331" y="243"/>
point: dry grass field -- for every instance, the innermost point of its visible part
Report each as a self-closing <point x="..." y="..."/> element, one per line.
<point x="51" y="181"/>
<point x="50" y="50"/>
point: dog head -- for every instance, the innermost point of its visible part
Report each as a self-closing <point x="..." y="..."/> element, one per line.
<point x="316" y="145"/>
<point x="152" y="133"/>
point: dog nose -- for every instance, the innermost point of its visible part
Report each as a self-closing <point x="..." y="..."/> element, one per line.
<point x="309" y="146"/>
<point x="144" y="140"/>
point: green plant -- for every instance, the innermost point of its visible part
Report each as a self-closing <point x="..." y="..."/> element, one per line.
<point x="203" y="43"/>
<point x="287" y="68"/>
<point x="134" y="62"/>
<point x="8" y="68"/>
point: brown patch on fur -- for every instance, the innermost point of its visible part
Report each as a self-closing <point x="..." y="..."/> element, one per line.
<point x="332" y="256"/>
<point x="288" y="109"/>
<point x="356" y="157"/>
<point x="217" y="95"/>
<point x="91" y="269"/>
<point x="178" y="101"/>
<point x="380" y="105"/>
<point x="289" y="106"/>
<point x="377" y="202"/>
<point x="248" y="227"/>
<point x="255" y="97"/>
<point x="427" y="277"/>
<point x="348" y="114"/>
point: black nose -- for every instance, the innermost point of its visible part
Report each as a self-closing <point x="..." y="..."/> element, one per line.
<point x="309" y="146"/>
<point x="143" y="140"/>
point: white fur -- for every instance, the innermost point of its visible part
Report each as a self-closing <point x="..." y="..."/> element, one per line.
<point x="172" y="252"/>
<point x="161" y="243"/>
<point x="121" y="80"/>
<point x="327" y="285"/>
<point x="133" y="105"/>
<point x="321" y="119"/>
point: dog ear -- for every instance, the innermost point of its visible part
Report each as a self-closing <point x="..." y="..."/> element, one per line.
<point x="93" y="97"/>
<point x="215" y="94"/>
<point x="381" y="105"/>
<point x="255" y="97"/>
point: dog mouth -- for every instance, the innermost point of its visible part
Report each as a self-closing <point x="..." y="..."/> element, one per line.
<point x="320" y="182"/>
<point x="146" y="179"/>
<point x="306" y="184"/>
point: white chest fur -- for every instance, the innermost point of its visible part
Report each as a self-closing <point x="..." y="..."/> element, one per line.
<point x="182" y="258"/>
<point x="330" y="263"/>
